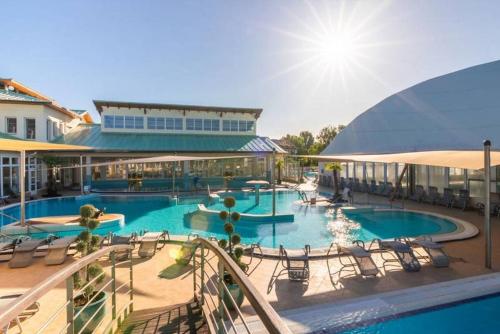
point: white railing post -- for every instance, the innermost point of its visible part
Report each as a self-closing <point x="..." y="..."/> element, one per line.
<point x="202" y="274"/>
<point x="113" y="285"/>
<point x="131" y="282"/>
<point x="220" y="294"/>
<point x="70" y="308"/>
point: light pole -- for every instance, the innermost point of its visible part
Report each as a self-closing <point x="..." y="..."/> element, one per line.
<point x="487" y="186"/>
<point x="273" y="171"/>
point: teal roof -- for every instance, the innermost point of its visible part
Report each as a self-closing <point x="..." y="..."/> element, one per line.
<point x="6" y="95"/>
<point x="91" y="135"/>
<point x="4" y="135"/>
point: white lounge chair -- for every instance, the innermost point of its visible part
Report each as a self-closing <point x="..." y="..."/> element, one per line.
<point x="363" y="260"/>
<point x="24" y="252"/>
<point x="149" y="243"/>
<point x="57" y="250"/>
<point x="434" y="251"/>
<point x="400" y="252"/>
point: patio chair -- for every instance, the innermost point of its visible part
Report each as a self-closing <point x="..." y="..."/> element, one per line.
<point x="433" y="196"/>
<point x="57" y="250"/>
<point x="380" y="188"/>
<point x="296" y="263"/>
<point x="32" y="309"/>
<point x="448" y="198"/>
<point x="121" y="255"/>
<point x="463" y="199"/>
<point x="187" y="251"/>
<point x="365" y="187"/>
<point x="8" y="245"/>
<point x="373" y="186"/>
<point x="357" y="256"/>
<point x="419" y="194"/>
<point x="149" y="243"/>
<point x="24" y="252"/>
<point x="434" y="251"/>
<point x="388" y="190"/>
<point x="400" y="252"/>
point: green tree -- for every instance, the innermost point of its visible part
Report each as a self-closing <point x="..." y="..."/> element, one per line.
<point x="307" y="139"/>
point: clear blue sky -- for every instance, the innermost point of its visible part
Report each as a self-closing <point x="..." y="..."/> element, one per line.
<point x="277" y="55"/>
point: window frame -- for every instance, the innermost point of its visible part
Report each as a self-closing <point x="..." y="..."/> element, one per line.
<point x="7" y="118"/>
<point x="26" y="120"/>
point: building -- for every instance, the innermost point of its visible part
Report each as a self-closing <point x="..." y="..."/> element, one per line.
<point x="456" y="111"/>
<point x="29" y="115"/>
<point x="139" y="130"/>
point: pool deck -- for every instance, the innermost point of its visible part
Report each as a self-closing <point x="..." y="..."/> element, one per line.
<point x="467" y="259"/>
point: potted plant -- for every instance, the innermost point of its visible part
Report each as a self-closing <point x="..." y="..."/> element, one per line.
<point x="230" y="245"/>
<point x="87" y="244"/>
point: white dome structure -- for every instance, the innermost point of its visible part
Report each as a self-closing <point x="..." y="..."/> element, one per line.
<point x="456" y="111"/>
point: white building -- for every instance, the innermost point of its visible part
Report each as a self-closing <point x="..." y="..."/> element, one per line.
<point x="29" y="115"/>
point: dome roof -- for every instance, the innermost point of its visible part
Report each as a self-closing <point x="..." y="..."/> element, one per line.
<point x="456" y="111"/>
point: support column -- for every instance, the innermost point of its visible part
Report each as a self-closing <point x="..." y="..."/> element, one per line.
<point x="185" y="173"/>
<point x="487" y="190"/>
<point x="22" y="186"/>
<point x="88" y="170"/>
<point x="273" y="180"/>
<point x="81" y="174"/>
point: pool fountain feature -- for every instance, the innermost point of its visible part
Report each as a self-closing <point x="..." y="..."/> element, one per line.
<point x="257" y="184"/>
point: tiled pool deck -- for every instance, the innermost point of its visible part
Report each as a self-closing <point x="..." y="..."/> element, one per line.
<point x="152" y="291"/>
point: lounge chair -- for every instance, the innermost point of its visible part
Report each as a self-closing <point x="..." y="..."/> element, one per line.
<point x="433" y="196"/>
<point x="357" y="252"/>
<point x="186" y="252"/>
<point x="296" y="263"/>
<point x="365" y="187"/>
<point x="419" y="194"/>
<point x="121" y="240"/>
<point x="434" y="251"/>
<point x="373" y="186"/>
<point x="401" y="253"/>
<point x="388" y="189"/>
<point x="149" y="243"/>
<point x="57" y="250"/>
<point x="380" y="188"/>
<point x="6" y="300"/>
<point x="8" y="245"/>
<point x="24" y="252"/>
<point x="448" y="198"/>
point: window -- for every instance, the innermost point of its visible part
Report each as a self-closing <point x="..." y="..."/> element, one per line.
<point x="234" y="126"/>
<point x="11" y="125"/>
<point x="169" y="123"/>
<point x="129" y="122"/>
<point x="250" y="125"/>
<point x="54" y="129"/>
<point x="211" y="125"/>
<point x="178" y="123"/>
<point x="139" y="122"/>
<point x="30" y="128"/>
<point x="160" y="123"/>
<point x="215" y="125"/>
<point x="226" y="125"/>
<point x="195" y="124"/>
<point x="119" y="122"/>
<point x="242" y="126"/>
<point x="109" y="122"/>
<point x="189" y="124"/>
<point x="151" y="123"/>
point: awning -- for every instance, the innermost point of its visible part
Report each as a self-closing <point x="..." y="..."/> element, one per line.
<point x="15" y="145"/>
<point x="457" y="159"/>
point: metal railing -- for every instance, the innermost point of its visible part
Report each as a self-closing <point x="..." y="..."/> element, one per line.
<point x="12" y="311"/>
<point x="222" y="312"/>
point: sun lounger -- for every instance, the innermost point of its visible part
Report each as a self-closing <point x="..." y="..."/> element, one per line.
<point x="434" y="251"/>
<point x="373" y="186"/>
<point x="57" y="250"/>
<point x="462" y="202"/>
<point x="24" y="252"/>
<point x="419" y="194"/>
<point x="357" y="252"/>
<point x="296" y="263"/>
<point x="401" y="253"/>
<point x="6" y="300"/>
<point x="448" y="198"/>
<point x="149" y="243"/>
<point x="433" y="196"/>
<point x="186" y="252"/>
<point x="121" y="240"/>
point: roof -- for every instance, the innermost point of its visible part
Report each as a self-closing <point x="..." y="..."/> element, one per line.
<point x="17" y="145"/>
<point x="456" y="111"/>
<point x="4" y="135"/>
<point x="91" y="135"/>
<point x="24" y="94"/>
<point x="99" y="104"/>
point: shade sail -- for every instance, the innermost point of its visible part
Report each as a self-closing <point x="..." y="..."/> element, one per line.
<point x="15" y="145"/>
<point x="457" y="159"/>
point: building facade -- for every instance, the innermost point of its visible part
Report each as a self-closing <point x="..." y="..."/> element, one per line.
<point x="27" y="114"/>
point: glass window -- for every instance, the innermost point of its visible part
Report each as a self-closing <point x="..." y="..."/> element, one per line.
<point x="250" y="125"/>
<point x="437" y="177"/>
<point x="359" y="171"/>
<point x="169" y="123"/>
<point x="129" y="122"/>
<point x="119" y="122"/>
<point x="391" y="173"/>
<point x="139" y="122"/>
<point x="160" y="123"/>
<point x="55" y="129"/>
<point x="234" y="126"/>
<point x="226" y="125"/>
<point x="198" y="124"/>
<point x="151" y="123"/>
<point x="178" y="123"/>
<point x="215" y="125"/>
<point x="379" y="171"/>
<point x="11" y="125"/>
<point x="369" y="171"/>
<point x="194" y="124"/>
<point x="421" y="176"/>
<point x="109" y="122"/>
<point x="243" y="126"/>
<point x="207" y="124"/>
<point x="456" y="179"/>
<point x="189" y="124"/>
<point x="30" y="128"/>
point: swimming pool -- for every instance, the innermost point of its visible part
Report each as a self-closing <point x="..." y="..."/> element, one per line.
<point x="314" y="225"/>
<point x="476" y="316"/>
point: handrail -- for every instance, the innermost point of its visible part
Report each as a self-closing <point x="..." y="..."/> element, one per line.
<point x="17" y="306"/>
<point x="271" y="320"/>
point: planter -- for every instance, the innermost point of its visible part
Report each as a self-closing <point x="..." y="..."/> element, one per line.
<point x="91" y="309"/>
<point x="237" y="295"/>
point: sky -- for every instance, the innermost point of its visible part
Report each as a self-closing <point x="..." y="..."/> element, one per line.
<point x="308" y="64"/>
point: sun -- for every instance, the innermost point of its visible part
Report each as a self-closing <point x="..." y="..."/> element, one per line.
<point x="337" y="48"/>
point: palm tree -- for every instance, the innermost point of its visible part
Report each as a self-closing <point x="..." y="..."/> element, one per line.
<point x="335" y="168"/>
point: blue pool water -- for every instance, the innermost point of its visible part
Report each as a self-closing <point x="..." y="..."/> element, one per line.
<point x="316" y="226"/>
<point x="478" y="316"/>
